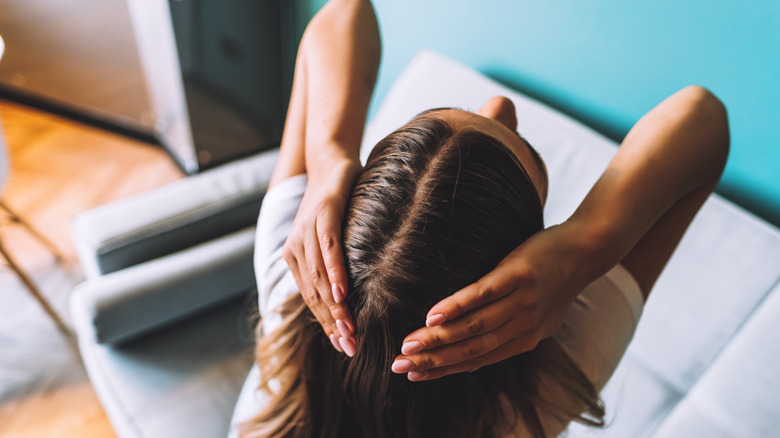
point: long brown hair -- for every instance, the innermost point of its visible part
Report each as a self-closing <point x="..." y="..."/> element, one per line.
<point x="433" y="211"/>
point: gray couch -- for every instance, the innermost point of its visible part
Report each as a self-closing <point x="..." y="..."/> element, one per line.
<point x="164" y="319"/>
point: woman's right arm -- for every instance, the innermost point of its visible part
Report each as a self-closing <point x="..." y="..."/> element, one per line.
<point x="335" y="71"/>
<point x="635" y="214"/>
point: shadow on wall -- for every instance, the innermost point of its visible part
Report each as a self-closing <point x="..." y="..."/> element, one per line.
<point x="616" y="131"/>
<point x="606" y="126"/>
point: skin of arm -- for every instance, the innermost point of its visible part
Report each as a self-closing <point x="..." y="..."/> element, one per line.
<point x="335" y="72"/>
<point x="635" y="214"/>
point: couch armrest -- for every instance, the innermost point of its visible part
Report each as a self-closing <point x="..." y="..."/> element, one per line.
<point x="173" y="217"/>
<point x="125" y="304"/>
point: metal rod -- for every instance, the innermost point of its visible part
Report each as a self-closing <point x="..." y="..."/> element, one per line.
<point x="37" y="234"/>
<point x="36" y="293"/>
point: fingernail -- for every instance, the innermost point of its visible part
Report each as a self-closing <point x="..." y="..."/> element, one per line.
<point x="435" y="320"/>
<point x="403" y="366"/>
<point x="337" y="295"/>
<point x="415" y="376"/>
<point x="335" y="343"/>
<point x="343" y="328"/>
<point x="412" y="347"/>
<point x="348" y="346"/>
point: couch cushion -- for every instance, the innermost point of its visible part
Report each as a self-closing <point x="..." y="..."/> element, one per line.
<point x="115" y="307"/>
<point x="172" y="217"/>
<point x="722" y="271"/>
<point x="739" y="393"/>
<point x="181" y="381"/>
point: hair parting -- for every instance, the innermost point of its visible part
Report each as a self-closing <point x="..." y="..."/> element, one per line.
<point x="433" y="211"/>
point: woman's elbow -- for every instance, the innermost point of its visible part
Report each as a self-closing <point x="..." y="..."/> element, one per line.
<point x="712" y="118"/>
<point x="710" y="109"/>
<point x="706" y="101"/>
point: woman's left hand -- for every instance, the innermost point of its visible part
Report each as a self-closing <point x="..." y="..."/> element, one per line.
<point x="507" y="312"/>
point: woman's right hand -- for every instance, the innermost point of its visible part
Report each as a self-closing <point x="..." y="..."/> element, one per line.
<point x="314" y="255"/>
<point x="337" y="65"/>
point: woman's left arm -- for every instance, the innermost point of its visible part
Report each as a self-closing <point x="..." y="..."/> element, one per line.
<point x="635" y="214"/>
<point x="335" y="72"/>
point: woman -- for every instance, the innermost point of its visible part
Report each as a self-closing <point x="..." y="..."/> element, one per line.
<point x="444" y="226"/>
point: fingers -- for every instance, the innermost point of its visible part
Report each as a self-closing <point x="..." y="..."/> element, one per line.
<point x="496" y="331"/>
<point x="316" y="269"/>
<point x="512" y="348"/>
<point x="488" y="289"/>
<point x="331" y="261"/>
<point x="325" y="285"/>
<point x="323" y="296"/>
<point x="466" y="355"/>
<point x="329" y="235"/>
<point x="314" y="288"/>
<point x="449" y="354"/>
<point x="309" y="293"/>
<point x="472" y="324"/>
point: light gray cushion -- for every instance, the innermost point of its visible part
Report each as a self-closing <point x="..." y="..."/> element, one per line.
<point x="178" y="382"/>
<point x="739" y="393"/>
<point x="173" y="217"/>
<point x="720" y="274"/>
<point x="125" y="304"/>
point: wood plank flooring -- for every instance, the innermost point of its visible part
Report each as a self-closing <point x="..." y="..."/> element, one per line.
<point x="58" y="168"/>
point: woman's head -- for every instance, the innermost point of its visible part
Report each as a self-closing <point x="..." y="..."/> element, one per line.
<point x="440" y="203"/>
<point x="449" y="189"/>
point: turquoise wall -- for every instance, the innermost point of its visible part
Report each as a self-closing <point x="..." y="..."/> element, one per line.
<point x="609" y="62"/>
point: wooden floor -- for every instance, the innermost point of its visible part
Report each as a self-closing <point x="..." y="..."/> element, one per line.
<point x="58" y="168"/>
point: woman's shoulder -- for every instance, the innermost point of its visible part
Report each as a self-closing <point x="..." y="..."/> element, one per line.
<point x="595" y="335"/>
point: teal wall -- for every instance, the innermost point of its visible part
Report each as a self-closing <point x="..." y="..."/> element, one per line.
<point x="608" y="62"/>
